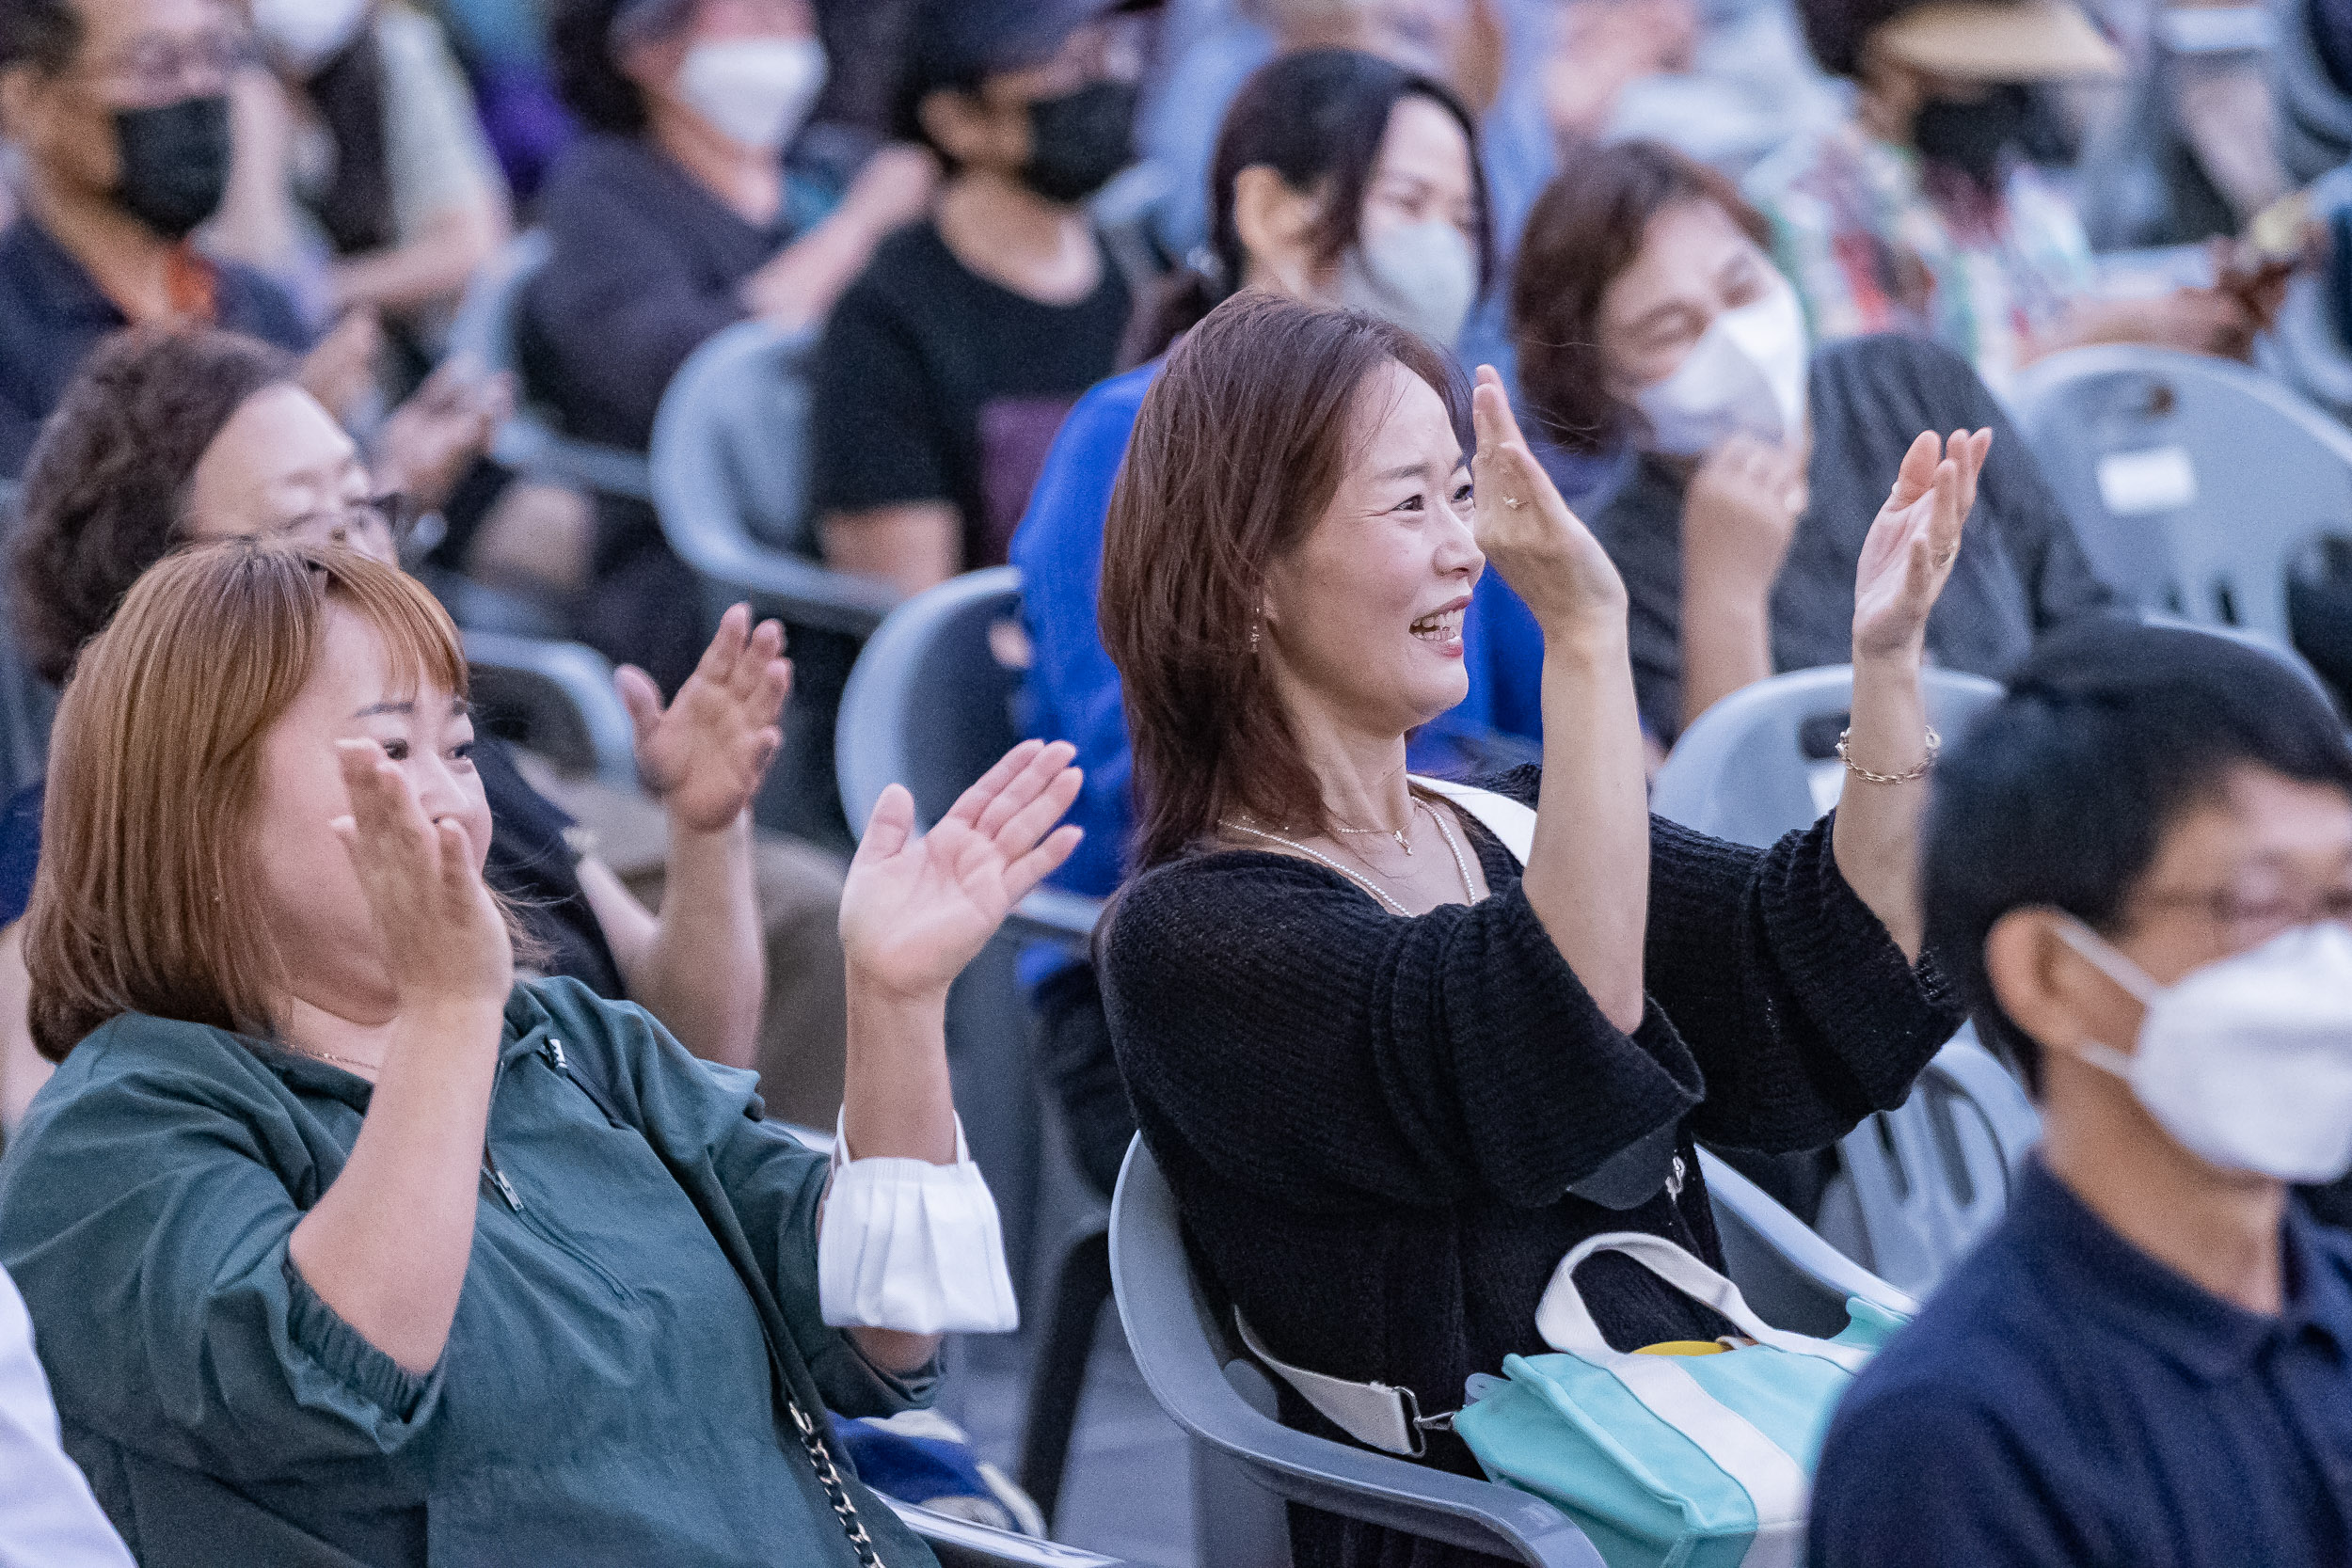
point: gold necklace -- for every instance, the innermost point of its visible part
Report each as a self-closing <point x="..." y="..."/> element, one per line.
<point x="1380" y="895"/>
<point x="330" y="1056"/>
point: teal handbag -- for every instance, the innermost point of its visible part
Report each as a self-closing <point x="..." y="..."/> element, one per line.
<point x="1669" y="1460"/>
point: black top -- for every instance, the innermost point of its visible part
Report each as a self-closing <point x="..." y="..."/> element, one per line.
<point x="2065" y="1401"/>
<point x="52" y="314"/>
<point x="936" y="384"/>
<point x="2021" y="570"/>
<point x="530" y="862"/>
<point x="1369" y="1122"/>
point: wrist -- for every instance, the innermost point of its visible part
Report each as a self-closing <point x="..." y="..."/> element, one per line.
<point x="878" y="997"/>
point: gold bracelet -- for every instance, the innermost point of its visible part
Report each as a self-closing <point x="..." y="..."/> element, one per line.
<point x="1935" y="744"/>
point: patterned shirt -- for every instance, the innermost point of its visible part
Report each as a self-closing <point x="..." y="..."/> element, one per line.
<point x="1875" y="242"/>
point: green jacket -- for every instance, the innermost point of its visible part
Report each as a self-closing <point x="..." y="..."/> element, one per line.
<point x="605" y="1396"/>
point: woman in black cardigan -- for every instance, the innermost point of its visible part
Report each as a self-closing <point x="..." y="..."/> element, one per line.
<point x="1392" y="1075"/>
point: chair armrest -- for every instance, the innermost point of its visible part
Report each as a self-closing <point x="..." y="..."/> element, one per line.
<point x="960" y="1543"/>
<point x="801" y="592"/>
<point x="1065" y="919"/>
<point x="582" y="678"/>
<point x="1795" y="1243"/>
<point x="527" y="444"/>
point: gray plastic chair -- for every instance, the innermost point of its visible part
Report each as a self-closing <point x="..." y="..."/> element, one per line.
<point x="2193" y="483"/>
<point x="960" y="1543"/>
<point x="1761" y="762"/>
<point x="560" y="695"/>
<point x="27" y="702"/>
<point x="488" y="326"/>
<point x="1247" y="1463"/>
<point x="1921" y="1184"/>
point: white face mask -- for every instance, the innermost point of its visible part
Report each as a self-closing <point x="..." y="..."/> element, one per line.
<point x="302" y="35"/>
<point x="2246" y="1061"/>
<point x="1745" y="373"/>
<point x="1423" y="277"/>
<point x="754" y="91"/>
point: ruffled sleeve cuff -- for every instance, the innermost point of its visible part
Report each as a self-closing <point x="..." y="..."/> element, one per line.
<point x="908" y="1246"/>
<point x="343" y="1353"/>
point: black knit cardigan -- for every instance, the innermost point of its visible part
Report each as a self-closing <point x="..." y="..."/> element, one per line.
<point x="1369" y="1122"/>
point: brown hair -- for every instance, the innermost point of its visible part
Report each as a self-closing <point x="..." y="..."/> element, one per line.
<point x="1238" y="448"/>
<point x="104" y="488"/>
<point x="1586" y="228"/>
<point x="147" y="898"/>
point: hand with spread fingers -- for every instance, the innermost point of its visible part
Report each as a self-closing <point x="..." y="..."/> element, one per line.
<point x="1739" y="515"/>
<point x="1908" y="556"/>
<point x="704" y="755"/>
<point x="1541" y="548"/>
<point x="916" y="909"/>
<point x="445" y="941"/>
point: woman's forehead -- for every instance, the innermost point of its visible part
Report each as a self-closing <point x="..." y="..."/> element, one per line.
<point x="1399" y="417"/>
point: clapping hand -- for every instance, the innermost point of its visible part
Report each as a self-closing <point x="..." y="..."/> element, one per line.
<point x="444" y="937"/>
<point x="916" y="909"/>
<point x="429" y="442"/>
<point x="1908" y="556"/>
<point x="704" y="754"/>
<point x="1542" y="549"/>
<point x="1738" y="516"/>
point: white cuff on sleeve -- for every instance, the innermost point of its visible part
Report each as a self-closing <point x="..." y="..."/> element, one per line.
<point x="909" y="1245"/>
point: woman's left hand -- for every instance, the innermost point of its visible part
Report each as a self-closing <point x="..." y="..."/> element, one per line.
<point x="1908" y="556"/>
<point x="916" y="910"/>
<point x="704" y="754"/>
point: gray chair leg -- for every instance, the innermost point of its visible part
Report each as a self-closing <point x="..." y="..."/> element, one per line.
<point x="1058" y="1376"/>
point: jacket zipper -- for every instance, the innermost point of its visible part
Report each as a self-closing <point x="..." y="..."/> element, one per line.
<point x="539" y="1228"/>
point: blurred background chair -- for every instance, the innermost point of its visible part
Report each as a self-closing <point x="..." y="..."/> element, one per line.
<point x="1247" y="1463"/>
<point x="730" y="479"/>
<point x="555" y="699"/>
<point x="931" y="704"/>
<point x="27" y="702"/>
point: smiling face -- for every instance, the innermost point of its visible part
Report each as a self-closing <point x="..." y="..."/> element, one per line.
<point x="1695" y="264"/>
<point x="283" y="466"/>
<point x="1363" y="620"/>
<point x="311" y="893"/>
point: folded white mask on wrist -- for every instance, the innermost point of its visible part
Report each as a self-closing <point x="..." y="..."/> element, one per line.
<point x="913" y="1247"/>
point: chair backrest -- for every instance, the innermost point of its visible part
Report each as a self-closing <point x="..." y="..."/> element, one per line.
<point x="27" y="702"/>
<point x="559" y="697"/>
<point x="488" y="326"/>
<point x="1930" y="1177"/>
<point x="2193" y="483"/>
<point x="1208" y="1385"/>
<point x="1762" y="761"/>
<point x="730" y="465"/>
<point x="929" y="704"/>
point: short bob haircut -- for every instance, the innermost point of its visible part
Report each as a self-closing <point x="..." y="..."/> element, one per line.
<point x="1316" y="119"/>
<point x="147" y="899"/>
<point x="2062" y="793"/>
<point x="106" y="486"/>
<point x="1238" y="450"/>
<point x="1586" y="228"/>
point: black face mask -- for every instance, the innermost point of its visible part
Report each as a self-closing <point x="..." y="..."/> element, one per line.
<point x="175" y="163"/>
<point x="1079" y="140"/>
<point x="1972" y="136"/>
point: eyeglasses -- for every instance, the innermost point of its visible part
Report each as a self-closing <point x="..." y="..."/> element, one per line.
<point x="2251" y="921"/>
<point x="160" y="69"/>
<point x="389" y="516"/>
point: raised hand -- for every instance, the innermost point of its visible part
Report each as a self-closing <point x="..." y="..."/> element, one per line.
<point x="444" y="937"/>
<point x="1908" y="556"/>
<point x="916" y="910"/>
<point x="431" y="439"/>
<point x="1543" y="550"/>
<point x="706" y="754"/>
<point x="1738" y="517"/>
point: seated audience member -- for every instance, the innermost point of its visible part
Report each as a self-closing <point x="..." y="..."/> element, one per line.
<point x="47" y="1515"/>
<point x="1336" y="170"/>
<point x="2139" y="871"/>
<point x="678" y="214"/>
<point x="948" y="365"/>
<point x="1920" y="214"/>
<point x="1646" y="309"/>
<point x="1393" y="1075"/>
<point x="120" y="108"/>
<point x="363" y="1308"/>
<point x="170" y="439"/>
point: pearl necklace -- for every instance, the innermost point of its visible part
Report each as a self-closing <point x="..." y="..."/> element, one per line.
<point x="1380" y="895"/>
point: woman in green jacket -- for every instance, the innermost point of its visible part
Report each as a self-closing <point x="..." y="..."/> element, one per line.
<point x="346" y="1247"/>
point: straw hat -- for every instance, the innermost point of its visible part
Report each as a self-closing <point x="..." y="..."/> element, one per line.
<point x="1998" y="40"/>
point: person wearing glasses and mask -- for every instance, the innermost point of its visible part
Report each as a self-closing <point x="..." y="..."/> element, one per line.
<point x="173" y="438"/>
<point x="1647" y="313"/>
<point x="2137" y="874"/>
<point x="951" y="363"/>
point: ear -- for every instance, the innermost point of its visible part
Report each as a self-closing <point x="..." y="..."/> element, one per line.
<point x="958" y="123"/>
<point x="1274" y="222"/>
<point x="20" y="93"/>
<point x="2048" y="989"/>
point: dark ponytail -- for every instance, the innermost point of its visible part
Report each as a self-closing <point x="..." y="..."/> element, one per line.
<point x="1315" y="117"/>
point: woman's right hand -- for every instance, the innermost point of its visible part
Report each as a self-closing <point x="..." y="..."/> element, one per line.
<point x="1543" y="550"/>
<point x="1738" y="517"/>
<point x="445" y="941"/>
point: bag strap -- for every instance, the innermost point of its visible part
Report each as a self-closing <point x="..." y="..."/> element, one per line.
<point x="1376" y="1415"/>
<point x="1508" y="820"/>
<point x="1566" y="1324"/>
<point x="584" y="1077"/>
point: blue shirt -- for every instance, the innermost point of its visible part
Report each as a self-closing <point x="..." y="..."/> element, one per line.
<point x="2065" y="1399"/>
<point x="1072" y="691"/>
